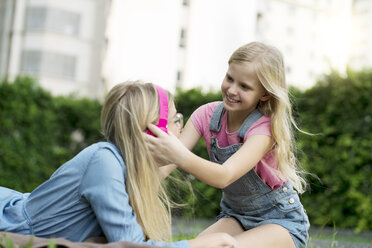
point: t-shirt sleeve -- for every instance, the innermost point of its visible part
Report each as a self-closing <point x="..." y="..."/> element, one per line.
<point x="260" y="127"/>
<point x="103" y="186"/>
<point x="201" y="116"/>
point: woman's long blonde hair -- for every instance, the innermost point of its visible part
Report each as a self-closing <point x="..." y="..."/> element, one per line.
<point x="270" y="71"/>
<point x="127" y="110"/>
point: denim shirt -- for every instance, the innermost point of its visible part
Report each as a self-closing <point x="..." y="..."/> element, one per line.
<point x="86" y="197"/>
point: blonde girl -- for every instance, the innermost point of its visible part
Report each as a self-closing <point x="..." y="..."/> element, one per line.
<point x="250" y="142"/>
<point x="113" y="188"/>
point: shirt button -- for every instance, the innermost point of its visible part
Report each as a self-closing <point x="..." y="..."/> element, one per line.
<point x="291" y="201"/>
<point x="284" y="189"/>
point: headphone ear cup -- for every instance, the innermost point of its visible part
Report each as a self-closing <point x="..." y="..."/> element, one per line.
<point x="149" y="132"/>
<point x="164" y="129"/>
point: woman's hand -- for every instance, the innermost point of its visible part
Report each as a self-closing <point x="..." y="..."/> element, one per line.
<point x="214" y="240"/>
<point x="166" y="148"/>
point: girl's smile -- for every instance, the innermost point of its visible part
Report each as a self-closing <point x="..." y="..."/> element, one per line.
<point x="231" y="99"/>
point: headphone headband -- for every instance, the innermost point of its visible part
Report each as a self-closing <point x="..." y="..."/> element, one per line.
<point x="163" y="110"/>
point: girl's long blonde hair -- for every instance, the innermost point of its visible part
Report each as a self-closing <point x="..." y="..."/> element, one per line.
<point x="127" y="110"/>
<point x="269" y="68"/>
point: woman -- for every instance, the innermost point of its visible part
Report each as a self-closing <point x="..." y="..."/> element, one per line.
<point x="112" y="189"/>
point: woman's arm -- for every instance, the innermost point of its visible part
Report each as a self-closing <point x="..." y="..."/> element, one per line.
<point x="103" y="186"/>
<point x="169" y="148"/>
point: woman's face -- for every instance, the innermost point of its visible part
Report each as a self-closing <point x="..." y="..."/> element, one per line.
<point x="175" y="124"/>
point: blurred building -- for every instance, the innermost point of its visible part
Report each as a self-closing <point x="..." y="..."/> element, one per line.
<point x="313" y="35"/>
<point x="6" y="17"/>
<point x="209" y="33"/>
<point x="361" y="36"/>
<point x="61" y="43"/>
<point x="187" y="43"/>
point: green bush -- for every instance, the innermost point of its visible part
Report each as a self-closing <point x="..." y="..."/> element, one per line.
<point x="39" y="132"/>
<point x="339" y="109"/>
<point x="206" y="200"/>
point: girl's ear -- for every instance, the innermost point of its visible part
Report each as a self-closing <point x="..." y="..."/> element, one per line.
<point x="265" y="97"/>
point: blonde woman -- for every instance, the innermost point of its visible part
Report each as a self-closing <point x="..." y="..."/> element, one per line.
<point x="111" y="188"/>
<point x="251" y="147"/>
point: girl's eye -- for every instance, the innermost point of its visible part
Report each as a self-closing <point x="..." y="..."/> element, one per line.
<point x="246" y="87"/>
<point x="229" y="78"/>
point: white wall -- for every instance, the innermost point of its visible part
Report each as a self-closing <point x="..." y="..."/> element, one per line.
<point x="143" y="41"/>
<point x="216" y="29"/>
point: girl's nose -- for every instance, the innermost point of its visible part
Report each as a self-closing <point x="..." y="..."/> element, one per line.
<point x="232" y="90"/>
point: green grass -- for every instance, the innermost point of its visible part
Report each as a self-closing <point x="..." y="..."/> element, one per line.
<point x="343" y="239"/>
<point x="333" y="238"/>
<point x="6" y="242"/>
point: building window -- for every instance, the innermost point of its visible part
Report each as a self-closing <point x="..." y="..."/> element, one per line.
<point x="48" y="64"/>
<point x="292" y="10"/>
<point x="290" y="30"/>
<point x="179" y="76"/>
<point x="31" y="62"/>
<point x="56" y="20"/>
<point x="36" y="18"/>
<point x="183" y="38"/>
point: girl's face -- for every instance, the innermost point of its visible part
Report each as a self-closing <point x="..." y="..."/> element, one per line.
<point x="175" y="121"/>
<point x="241" y="90"/>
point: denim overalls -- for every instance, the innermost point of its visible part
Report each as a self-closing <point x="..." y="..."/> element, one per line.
<point x="251" y="201"/>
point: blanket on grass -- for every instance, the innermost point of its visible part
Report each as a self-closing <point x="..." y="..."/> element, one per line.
<point x="19" y="241"/>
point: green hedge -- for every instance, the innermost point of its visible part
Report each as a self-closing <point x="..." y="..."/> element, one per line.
<point x="339" y="110"/>
<point x="39" y="132"/>
<point x="205" y="203"/>
<point x="36" y="132"/>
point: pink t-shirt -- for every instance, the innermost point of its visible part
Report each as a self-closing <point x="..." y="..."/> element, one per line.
<point x="266" y="168"/>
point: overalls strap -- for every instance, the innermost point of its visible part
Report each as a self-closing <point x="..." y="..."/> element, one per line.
<point x="252" y="118"/>
<point x="215" y="125"/>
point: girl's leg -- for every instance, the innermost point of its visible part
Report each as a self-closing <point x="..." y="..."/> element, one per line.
<point x="266" y="236"/>
<point x="226" y="225"/>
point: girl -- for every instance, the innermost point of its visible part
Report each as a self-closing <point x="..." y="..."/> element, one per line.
<point x="112" y="188"/>
<point x="251" y="148"/>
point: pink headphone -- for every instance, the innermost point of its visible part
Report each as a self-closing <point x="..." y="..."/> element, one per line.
<point x="163" y="110"/>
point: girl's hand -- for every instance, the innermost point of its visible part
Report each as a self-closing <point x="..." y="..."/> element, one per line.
<point x="166" y="148"/>
<point x="214" y="240"/>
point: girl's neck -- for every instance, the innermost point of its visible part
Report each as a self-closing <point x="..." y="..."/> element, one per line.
<point x="235" y="120"/>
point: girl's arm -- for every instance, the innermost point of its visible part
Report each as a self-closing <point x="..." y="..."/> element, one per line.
<point x="189" y="138"/>
<point x="169" y="148"/>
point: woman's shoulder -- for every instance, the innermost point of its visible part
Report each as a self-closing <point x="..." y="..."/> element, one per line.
<point x="104" y="160"/>
<point x="108" y="149"/>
